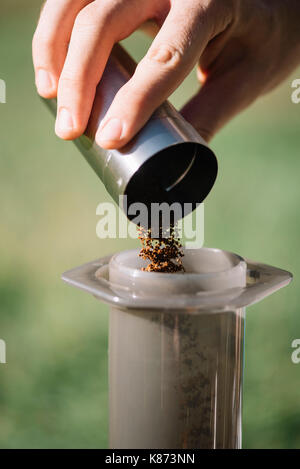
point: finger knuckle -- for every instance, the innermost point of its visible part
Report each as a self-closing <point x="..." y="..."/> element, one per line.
<point x="86" y="17"/>
<point x="130" y="93"/>
<point x="43" y="42"/>
<point x="165" y="54"/>
<point x="70" y="82"/>
<point x="96" y="13"/>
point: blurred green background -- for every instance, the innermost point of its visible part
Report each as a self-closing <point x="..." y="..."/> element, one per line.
<point x="53" y="390"/>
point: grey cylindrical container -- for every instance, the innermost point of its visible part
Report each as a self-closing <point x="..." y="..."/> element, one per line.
<point x="175" y="378"/>
<point x="167" y="161"/>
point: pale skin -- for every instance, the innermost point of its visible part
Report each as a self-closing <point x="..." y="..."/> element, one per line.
<point x="242" y="49"/>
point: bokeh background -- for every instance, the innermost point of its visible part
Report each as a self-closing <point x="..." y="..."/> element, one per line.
<point x="53" y="390"/>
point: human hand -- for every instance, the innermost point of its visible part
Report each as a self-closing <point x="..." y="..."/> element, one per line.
<point x="243" y="48"/>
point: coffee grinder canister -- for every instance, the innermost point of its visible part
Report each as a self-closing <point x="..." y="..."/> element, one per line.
<point x="167" y="161"/>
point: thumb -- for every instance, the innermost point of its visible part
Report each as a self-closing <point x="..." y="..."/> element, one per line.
<point x="223" y="95"/>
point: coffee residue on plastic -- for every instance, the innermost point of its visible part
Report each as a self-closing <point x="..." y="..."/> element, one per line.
<point x="164" y="253"/>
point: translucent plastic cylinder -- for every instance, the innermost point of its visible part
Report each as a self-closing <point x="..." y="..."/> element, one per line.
<point x="175" y="378"/>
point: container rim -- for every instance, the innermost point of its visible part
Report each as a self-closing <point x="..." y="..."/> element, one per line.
<point x="262" y="281"/>
<point x="236" y="260"/>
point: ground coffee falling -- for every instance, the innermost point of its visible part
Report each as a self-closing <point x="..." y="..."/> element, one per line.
<point x="164" y="253"/>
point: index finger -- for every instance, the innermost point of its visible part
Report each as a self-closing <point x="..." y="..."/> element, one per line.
<point x="50" y="42"/>
<point x="172" y="55"/>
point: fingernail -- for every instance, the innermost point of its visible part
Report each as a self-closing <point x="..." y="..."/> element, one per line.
<point x="110" y="131"/>
<point x="44" y="82"/>
<point x="64" y="120"/>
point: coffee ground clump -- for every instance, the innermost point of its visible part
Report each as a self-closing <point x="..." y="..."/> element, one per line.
<point x="164" y="253"/>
